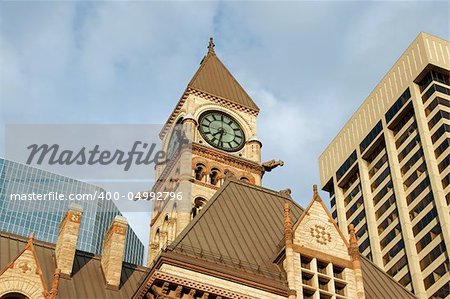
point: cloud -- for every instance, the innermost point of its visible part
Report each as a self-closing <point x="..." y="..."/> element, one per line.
<point x="308" y="65"/>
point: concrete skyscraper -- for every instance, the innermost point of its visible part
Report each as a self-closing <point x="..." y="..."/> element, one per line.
<point x="387" y="171"/>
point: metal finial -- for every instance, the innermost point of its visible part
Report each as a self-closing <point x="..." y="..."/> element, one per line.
<point x="31" y="238"/>
<point x="211" y="46"/>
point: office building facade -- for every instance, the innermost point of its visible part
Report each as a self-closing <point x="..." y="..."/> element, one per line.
<point x="387" y="170"/>
<point x="23" y="216"/>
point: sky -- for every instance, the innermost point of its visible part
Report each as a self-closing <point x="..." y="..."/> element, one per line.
<point x="307" y="65"/>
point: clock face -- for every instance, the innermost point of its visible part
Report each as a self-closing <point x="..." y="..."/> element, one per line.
<point x="221" y="131"/>
<point x="321" y="234"/>
<point x="175" y="140"/>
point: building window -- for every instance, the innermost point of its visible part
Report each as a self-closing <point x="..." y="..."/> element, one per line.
<point x="199" y="203"/>
<point x="433" y="255"/>
<point x="214" y="176"/>
<point x="407" y="150"/>
<point x="346" y="165"/>
<point x="393" y="252"/>
<point x="428" y="238"/>
<point x="398" y="266"/>
<point x="421" y="205"/>
<point x="245" y="179"/>
<point x="385" y="206"/>
<point x="371" y="136"/>
<point x="418" y="190"/>
<point x="433" y="89"/>
<point x="424" y="221"/>
<point x="436" y="274"/>
<point x="397" y="105"/>
<point x="431" y="76"/>
<point x="412" y="128"/>
<point x="441" y="148"/>
<point x="444" y="128"/>
<point x="390" y="236"/>
<point x="199" y="172"/>
<point x="380" y="179"/>
<point x="437" y="101"/>
<point x="388" y="221"/>
<point x="305" y="262"/>
<point x="14" y="296"/>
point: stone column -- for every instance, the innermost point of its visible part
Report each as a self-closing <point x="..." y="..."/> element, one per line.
<point x="403" y="215"/>
<point x="113" y="252"/>
<point x="66" y="243"/>
<point x="356" y="262"/>
<point x="370" y="213"/>
<point x="289" y="262"/>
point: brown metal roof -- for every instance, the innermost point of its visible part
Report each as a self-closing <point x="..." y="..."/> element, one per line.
<point x="214" y="78"/>
<point x="378" y="284"/>
<point x="242" y="225"/>
<point x="87" y="278"/>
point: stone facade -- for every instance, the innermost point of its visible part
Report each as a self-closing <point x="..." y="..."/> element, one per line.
<point x="320" y="262"/>
<point x="113" y="251"/>
<point x="67" y="239"/>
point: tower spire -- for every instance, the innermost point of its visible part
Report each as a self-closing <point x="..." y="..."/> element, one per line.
<point x="211" y="46"/>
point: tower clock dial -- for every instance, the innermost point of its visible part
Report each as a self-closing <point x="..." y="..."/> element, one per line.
<point x="221" y="131"/>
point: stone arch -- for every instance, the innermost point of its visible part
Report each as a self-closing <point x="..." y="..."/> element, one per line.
<point x="198" y="204"/>
<point x="215" y="176"/>
<point x="20" y="285"/>
<point x="200" y="171"/>
<point x="14" y="295"/>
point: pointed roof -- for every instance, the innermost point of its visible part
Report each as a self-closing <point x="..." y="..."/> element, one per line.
<point x="317" y="200"/>
<point x="28" y="266"/>
<point x="215" y="79"/>
<point x="242" y="224"/>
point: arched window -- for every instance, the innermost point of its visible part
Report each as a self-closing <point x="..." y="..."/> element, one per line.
<point x="199" y="203"/>
<point x="245" y="179"/>
<point x="157" y="236"/>
<point x="14" y="296"/>
<point x="199" y="171"/>
<point x="214" y="176"/>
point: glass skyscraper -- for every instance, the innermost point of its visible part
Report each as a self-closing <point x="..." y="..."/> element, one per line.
<point x="43" y="217"/>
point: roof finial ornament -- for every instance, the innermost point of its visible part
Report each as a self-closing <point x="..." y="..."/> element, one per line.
<point x="353" y="242"/>
<point x="31" y="238"/>
<point x="288" y="234"/>
<point x="211" y="46"/>
<point x="316" y="193"/>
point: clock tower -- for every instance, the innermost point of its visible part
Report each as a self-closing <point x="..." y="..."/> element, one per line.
<point x="211" y="134"/>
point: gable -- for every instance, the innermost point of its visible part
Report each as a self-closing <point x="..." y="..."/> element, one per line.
<point x="23" y="274"/>
<point x="317" y="231"/>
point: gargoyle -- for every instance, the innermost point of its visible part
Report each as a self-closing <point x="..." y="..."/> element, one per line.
<point x="269" y="165"/>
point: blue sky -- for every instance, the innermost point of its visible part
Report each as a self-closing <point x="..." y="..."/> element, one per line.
<point x="308" y="65"/>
